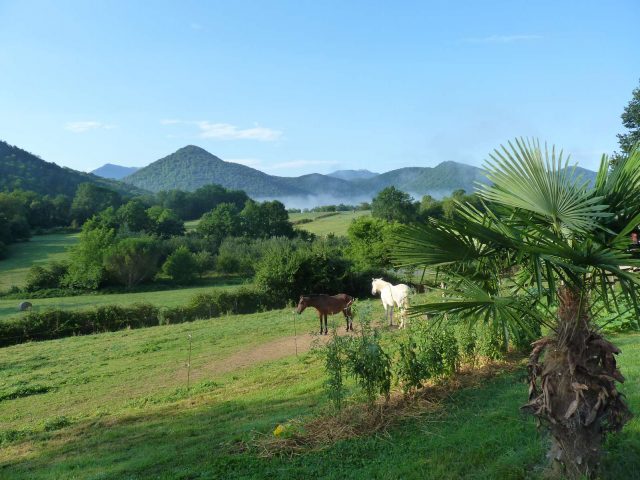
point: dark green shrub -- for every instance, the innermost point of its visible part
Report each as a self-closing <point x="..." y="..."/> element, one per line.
<point x="368" y="363"/>
<point x="410" y="370"/>
<point x="46" y="276"/>
<point x="181" y="266"/>
<point x="335" y="365"/>
<point x="492" y="341"/>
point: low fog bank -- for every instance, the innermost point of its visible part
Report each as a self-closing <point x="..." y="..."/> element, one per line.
<point x="311" y="201"/>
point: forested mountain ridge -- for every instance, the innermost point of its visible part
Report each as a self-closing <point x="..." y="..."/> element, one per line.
<point x="191" y="167"/>
<point x="20" y="169"/>
<point x="351" y="175"/>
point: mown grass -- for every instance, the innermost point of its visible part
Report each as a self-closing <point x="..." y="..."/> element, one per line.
<point x="336" y="224"/>
<point x="39" y="249"/>
<point x="114" y="406"/>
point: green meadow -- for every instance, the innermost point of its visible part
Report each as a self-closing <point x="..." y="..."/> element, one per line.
<point x="39" y="249"/>
<point x="335" y="224"/>
<point x="115" y="405"/>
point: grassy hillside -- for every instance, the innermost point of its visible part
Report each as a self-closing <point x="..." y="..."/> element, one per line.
<point x="23" y="170"/>
<point x="39" y="249"/>
<point x="115" y="405"/>
<point x="336" y="224"/>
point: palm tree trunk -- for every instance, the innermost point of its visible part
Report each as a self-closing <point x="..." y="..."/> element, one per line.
<point x="572" y="389"/>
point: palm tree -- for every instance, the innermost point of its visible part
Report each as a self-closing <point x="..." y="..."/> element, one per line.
<point x="549" y="250"/>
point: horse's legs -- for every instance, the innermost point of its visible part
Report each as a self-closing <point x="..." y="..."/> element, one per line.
<point x="391" y="315"/>
<point x="347" y="315"/>
<point x="326" y="329"/>
<point x="320" y="315"/>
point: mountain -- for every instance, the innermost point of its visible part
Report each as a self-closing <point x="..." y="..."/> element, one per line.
<point x="191" y="167"/>
<point x="350" y="175"/>
<point x="21" y="169"/>
<point x="115" y="172"/>
<point x="437" y="181"/>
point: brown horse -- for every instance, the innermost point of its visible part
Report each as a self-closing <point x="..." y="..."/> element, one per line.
<point x="328" y="305"/>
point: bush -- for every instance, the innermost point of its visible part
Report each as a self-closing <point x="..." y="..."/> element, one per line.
<point x="430" y="351"/>
<point x="492" y="341"/>
<point x="133" y="260"/>
<point x="368" y="363"/>
<point x="181" y="266"/>
<point x="52" y="324"/>
<point x="335" y="365"/>
<point x="46" y="277"/>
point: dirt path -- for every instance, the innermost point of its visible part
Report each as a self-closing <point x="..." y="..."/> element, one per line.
<point x="274" y="350"/>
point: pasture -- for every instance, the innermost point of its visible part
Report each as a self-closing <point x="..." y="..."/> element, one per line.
<point x="335" y="224"/>
<point x="115" y="405"/>
<point x="39" y="249"/>
<point x="160" y="298"/>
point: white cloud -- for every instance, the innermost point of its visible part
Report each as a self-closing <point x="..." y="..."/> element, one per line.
<point x="502" y="39"/>
<point x="81" y="127"/>
<point x="302" y="163"/>
<point x="226" y="131"/>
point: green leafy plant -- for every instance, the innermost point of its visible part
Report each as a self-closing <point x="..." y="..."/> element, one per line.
<point x="543" y="252"/>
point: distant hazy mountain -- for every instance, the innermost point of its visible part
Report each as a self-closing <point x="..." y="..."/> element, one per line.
<point x="115" y="172"/>
<point x="439" y="180"/>
<point x="21" y="169"/>
<point x="351" y="175"/>
<point x="192" y="167"/>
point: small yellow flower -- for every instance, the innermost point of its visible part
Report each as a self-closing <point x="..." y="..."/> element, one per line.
<point x="279" y="430"/>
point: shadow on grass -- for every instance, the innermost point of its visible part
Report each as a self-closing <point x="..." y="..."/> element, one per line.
<point x="479" y="434"/>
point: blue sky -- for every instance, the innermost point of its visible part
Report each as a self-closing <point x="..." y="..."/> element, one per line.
<point x="301" y="86"/>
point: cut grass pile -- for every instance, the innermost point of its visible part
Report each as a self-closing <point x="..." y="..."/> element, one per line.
<point x="115" y="406"/>
<point x="39" y="249"/>
<point x="336" y="224"/>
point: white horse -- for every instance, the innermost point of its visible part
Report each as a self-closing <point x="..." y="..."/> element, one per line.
<point x="392" y="296"/>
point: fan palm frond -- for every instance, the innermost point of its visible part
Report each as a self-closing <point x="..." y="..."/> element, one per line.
<point x="525" y="177"/>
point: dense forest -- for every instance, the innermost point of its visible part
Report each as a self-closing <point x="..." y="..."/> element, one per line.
<point x="21" y="170"/>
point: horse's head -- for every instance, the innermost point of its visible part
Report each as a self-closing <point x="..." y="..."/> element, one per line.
<point x="375" y="285"/>
<point x="302" y="304"/>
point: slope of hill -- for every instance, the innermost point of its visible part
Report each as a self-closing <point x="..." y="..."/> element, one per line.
<point x="439" y="180"/>
<point x="21" y="169"/>
<point x="115" y="172"/>
<point x="191" y="167"/>
<point x="351" y="175"/>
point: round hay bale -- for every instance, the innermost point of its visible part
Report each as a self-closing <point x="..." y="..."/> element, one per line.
<point x="24" y="306"/>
